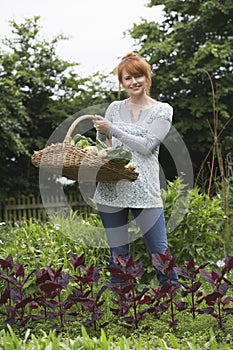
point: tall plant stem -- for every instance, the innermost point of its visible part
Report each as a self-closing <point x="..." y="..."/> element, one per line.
<point x="219" y="313"/>
<point x="217" y="155"/>
<point x="60" y="310"/>
<point x="135" y="309"/>
<point x="193" y="301"/>
<point x="172" y="309"/>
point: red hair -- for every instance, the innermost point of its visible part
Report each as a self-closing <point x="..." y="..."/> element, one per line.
<point x="135" y="64"/>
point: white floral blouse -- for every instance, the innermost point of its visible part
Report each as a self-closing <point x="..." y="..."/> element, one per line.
<point x="142" y="139"/>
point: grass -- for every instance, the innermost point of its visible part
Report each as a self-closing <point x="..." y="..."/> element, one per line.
<point x="50" y="340"/>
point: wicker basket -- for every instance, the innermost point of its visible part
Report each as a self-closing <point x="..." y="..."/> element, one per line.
<point x="77" y="164"/>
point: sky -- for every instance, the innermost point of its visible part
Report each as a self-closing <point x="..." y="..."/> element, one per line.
<point x="95" y="28"/>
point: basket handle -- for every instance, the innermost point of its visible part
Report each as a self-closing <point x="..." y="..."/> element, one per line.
<point x="75" y="123"/>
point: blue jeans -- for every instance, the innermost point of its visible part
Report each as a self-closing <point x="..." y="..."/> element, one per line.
<point x="152" y="226"/>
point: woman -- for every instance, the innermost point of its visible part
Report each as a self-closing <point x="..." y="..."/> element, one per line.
<point x="139" y="123"/>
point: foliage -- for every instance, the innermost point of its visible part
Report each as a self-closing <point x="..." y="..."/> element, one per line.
<point x="194" y="224"/>
<point x="47" y="244"/>
<point x="14" y="292"/>
<point x="222" y="185"/>
<point x="198" y="234"/>
<point x="156" y="310"/>
<point x="128" y="302"/>
<point x="9" y="340"/>
<point x="38" y="91"/>
<point x="55" y="302"/>
<point x="84" y="293"/>
<point x="44" y="340"/>
<point x="194" y="38"/>
<point x="217" y="300"/>
<point x="189" y="273"/>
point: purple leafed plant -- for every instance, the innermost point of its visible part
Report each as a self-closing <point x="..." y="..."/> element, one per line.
<point x="166" y="263"/>
<point x="49" y="295"/>
<point x="190" y="273"/>
<point x="128" y="301"/>
<point x="218" y="299"/>
<point x="51" y="283"/>
<point x="14" y="296"/>
<point x="84" y="292"/>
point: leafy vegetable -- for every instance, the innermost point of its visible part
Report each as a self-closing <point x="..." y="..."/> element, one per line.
<point x="82" y="141"/>
<point x="116" y="155"/>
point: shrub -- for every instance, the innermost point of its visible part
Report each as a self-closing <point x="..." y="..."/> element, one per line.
<point x="199" y="233"/>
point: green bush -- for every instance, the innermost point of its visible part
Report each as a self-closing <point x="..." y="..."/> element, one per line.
<point x="198" y="235"/>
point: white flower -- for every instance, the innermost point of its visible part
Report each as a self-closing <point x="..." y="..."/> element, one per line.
<point x="57" y="226"/>
<point x="220" y="263"/>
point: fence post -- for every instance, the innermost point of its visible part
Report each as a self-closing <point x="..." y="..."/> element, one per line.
<point x="2" y="212"/>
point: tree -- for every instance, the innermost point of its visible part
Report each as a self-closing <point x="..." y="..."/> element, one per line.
<point x="38" y="90"/>
<point x="189" y="51"/>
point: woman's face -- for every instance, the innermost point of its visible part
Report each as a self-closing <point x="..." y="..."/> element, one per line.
<point x="134" y="84"/>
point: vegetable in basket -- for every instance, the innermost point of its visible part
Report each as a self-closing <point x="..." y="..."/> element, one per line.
<point x="116" y="155"/>
<point x="82" y="141"/>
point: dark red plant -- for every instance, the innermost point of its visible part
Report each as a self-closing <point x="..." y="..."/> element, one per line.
<point x="166" y="263"/>
<point x="165" y="299"/>
<point x="14" y="296"/>
<point x="77" y="261"/>
<point x="128" y="301"/>
<point x="84" y="293"/>
<point x="190" y="273"/>
<point x="49" y="295"/>
<point x="218" y="299"/>
<point x="51" y="282"/>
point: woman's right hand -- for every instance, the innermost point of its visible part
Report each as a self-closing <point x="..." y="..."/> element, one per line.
<point x="101" y="124"/>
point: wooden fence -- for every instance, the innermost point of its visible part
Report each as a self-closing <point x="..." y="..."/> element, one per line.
<point x="26" y="207"/>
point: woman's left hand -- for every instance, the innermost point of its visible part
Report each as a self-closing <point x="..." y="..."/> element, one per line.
<point x="101" y="124"/>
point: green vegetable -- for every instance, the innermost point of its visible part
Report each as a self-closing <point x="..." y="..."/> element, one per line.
<point x="100" y="144"/>
<point x="116" y="155"/>
<point x="82" y="141"/>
